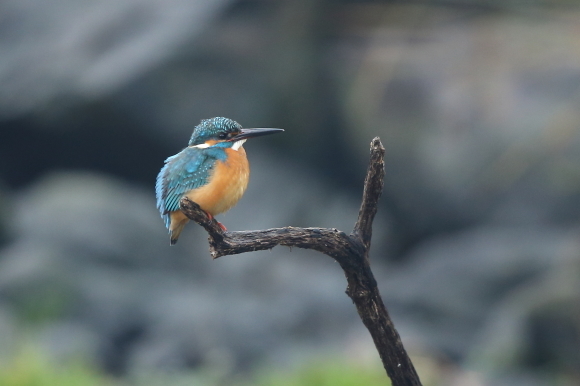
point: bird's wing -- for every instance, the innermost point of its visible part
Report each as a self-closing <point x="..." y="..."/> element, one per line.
<point x="187" y="170"/>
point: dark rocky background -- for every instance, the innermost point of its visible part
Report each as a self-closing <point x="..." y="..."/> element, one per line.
<point x="476" y="245"/>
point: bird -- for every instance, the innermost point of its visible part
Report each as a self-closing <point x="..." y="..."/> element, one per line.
<point x="211" y="171"/>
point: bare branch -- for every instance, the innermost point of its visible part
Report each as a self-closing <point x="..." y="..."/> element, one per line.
<point x="350" y="251"/>
<point x="372" y="192"/>
<point x="331" y="242"/>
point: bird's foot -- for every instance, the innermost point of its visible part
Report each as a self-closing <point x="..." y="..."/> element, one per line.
<point x="210" y="216"/>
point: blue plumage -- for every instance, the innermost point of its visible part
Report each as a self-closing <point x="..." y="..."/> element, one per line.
<point x="187" y="170"/>
<point x="211" y="128"/>
<point x="190" y="168"/>
<point x="194" y="167"/>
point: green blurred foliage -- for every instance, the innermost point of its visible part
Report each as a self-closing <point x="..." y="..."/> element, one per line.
<point x="44" y="302"/>
<point x="30" y="367"/>
<point x="325" y="373"/>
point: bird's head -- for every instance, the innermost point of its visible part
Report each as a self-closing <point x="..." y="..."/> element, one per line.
<point x="224" y="132"/>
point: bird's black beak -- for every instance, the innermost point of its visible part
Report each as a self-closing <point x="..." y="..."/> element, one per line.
<point x="249" y="133"/>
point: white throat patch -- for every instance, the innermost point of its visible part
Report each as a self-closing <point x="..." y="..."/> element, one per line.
<point x="236" y="146"/>
<point x="201" y="146"/>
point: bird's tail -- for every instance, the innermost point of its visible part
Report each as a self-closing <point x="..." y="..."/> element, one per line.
<point x="175" y="231"/>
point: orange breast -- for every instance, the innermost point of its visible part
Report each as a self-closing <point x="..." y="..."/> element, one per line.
<point x="226" y="185"/>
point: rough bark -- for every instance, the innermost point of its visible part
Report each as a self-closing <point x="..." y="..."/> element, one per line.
<point x="350" y="251"/>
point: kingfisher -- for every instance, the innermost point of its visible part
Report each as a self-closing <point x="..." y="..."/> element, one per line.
<point x="211" y="171"/>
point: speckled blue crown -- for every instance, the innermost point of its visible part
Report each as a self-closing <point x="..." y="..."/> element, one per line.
<point x="212" y="127"/>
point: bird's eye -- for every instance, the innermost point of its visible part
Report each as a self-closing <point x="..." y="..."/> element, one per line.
<point x="222" y="135"/>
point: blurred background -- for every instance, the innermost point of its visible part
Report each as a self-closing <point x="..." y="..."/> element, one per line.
<point x="476" y="244"/>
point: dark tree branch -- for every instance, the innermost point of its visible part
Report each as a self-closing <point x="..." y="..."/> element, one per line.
<point x="363" y="229"/>
<point x="350" y="251"/>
